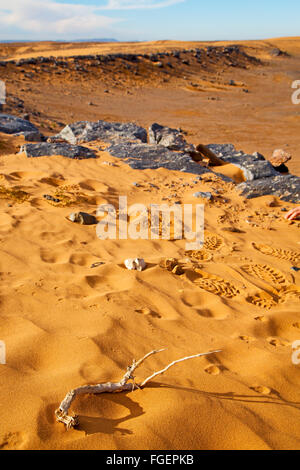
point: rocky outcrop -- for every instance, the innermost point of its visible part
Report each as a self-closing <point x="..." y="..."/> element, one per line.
<point x="66" y="150"/>
<point x="14" y="125"/>
<point x="85" y="131"/>
<point x="143" y="156"/>
<point x="253" y="166"/>
<point x="286" y="187"/>
<point x="261" y="177"/>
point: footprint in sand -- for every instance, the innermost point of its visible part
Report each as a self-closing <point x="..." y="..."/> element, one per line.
<point x="266" y="273"/>
<point x="291" y="293"/>
<point x="261" y="389"/>
<point x="261" y="319"/>
<point x="247" y="339"/>
<point x="212" y="370"/>
<point x="147" y="311"/>
<point x="278" y="253"/>
<point x="200" y="255"/>
<point x="296" y="325"/>
<point x="276" y="342"/>
<point x="213" y="284"/>
<point x="13" y="441"/>
<point x="262" y="300"/>
<point x="212" y="242"/>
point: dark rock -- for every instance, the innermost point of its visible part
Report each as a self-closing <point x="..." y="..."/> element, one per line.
<point x="253" y="166"/>
<point x="51" y="198"/>
<point x="170" y="138"/>
<point x="46" y="149"/>
<point x="205" y="195"/>
<point x="143" y="156"/>
<point x="14" y="125"/>
<point x="286" y="187"/>
<point x="85" y="131"/>
<point x="82" y="218"/>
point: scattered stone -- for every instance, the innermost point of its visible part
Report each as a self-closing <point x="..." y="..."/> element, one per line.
<point x="169" y="263"/>
<point x="203" y="195"/>
<point x="97" y="264"/>
<point x="137" y="264"/>
<point x="178" y="270"/>
<point x="280" y="157"/>
<point x="51" y="198"/>
<point x="284" y="209"/>
<point x="82" y="218"/>
<point x="45" y="149"/>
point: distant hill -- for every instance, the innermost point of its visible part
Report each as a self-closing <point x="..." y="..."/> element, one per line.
<point x="9" y="41"/>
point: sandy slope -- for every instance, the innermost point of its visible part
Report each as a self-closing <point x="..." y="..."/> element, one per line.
<point x="66" y="324"/>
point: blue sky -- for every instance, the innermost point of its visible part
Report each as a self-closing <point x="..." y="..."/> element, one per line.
<point x="148" y="19"/>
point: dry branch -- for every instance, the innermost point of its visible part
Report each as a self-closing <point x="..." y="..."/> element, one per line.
<point x="110" y="387"/>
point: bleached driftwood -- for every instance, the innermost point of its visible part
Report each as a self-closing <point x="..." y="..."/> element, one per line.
<point x="71" y="421"/>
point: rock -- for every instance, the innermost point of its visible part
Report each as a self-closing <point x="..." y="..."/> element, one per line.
<point x="295" y="269"/>
<point x="85" y="131"/>
<point x="280" y="157"/>
<point x="253" y="166"/>
<point x="170" y="138"/>
<point x="286" y="187"/>
<point x="137" y="264"/>
<point x="203" y="195"/>
<point x="169" y="264"/>
<point x="51" y="198"/>
<point x="45" y="149"/>
<point x="178" y="270"/>
<point x="15" y="125"/>
<point x="143" y="156"/>
<point x="82" y="218"/>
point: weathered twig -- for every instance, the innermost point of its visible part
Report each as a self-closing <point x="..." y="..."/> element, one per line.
<point x="71" y="421"/>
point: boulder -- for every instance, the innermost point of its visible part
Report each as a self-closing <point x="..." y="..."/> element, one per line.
<point x="66" y="150"/>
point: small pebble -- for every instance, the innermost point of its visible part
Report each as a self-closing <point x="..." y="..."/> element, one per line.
<point x="294" y="268"/>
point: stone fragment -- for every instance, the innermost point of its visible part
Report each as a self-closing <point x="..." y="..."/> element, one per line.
<point x="137" y="264"/>
<point x="82" y="218"/>
<point x="66" y="150"/>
